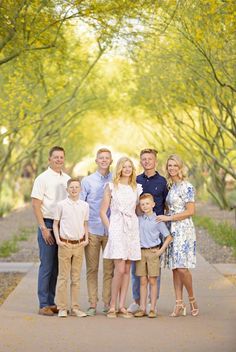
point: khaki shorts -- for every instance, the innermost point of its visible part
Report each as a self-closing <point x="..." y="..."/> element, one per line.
<point x="149" y="265"/>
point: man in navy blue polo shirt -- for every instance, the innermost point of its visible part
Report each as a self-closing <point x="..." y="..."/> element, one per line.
<point x="156" y="185"/>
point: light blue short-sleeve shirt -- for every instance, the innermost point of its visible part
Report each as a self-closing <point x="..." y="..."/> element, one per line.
<point x="151" y="231"/>
<point x="92" y="191"/>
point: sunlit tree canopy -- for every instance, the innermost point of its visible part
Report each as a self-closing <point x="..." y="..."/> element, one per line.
<point x="126" y="74"/>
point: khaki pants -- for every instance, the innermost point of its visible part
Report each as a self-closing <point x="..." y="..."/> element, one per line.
<point x="92" y="253"/>
<point x="70" y="260"/>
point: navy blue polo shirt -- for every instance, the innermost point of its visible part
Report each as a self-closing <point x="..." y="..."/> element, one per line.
<point x="157" y="186"/>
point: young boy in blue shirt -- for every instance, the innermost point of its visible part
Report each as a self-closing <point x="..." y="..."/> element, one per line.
<point x="148" y="267"/>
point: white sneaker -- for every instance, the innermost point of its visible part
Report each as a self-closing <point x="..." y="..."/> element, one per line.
<point x="133" y="308"/>
<point x="78" y="313"/>
<point x="148" y="307"/>
<point x="62" y="313"/>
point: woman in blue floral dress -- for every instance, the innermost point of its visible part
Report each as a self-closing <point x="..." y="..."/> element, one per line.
<point x="182" y="251"/>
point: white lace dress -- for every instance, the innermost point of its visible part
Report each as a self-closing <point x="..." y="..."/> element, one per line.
<point x="123" y="240"/>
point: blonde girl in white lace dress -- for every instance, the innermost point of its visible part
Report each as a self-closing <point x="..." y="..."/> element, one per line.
<point x="182" y="251"/>
<point x="123" y="245"/>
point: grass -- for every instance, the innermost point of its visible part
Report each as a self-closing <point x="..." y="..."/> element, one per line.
<point x="11" y="246"/>
<point x="223" y="233"/>
<point x="5" y="209"/>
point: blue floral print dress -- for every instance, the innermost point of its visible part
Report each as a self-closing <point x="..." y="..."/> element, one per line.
<point x="182" y="250"/>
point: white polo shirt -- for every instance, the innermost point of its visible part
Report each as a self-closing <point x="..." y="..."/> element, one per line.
<point x="50" y="188"/>
<point x="72" y="215"/>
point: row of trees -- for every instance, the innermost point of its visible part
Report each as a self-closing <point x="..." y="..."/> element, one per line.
<point x="49" y="56"/>
<point x="122" y="73"/>
<point x="187" y="81"/>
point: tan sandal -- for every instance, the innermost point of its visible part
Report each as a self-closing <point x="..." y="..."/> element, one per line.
<point x="193" y="306"/>
<point x="111" y="313"/>
<point x="179" y="309"/>
<point x="123" y="313"/>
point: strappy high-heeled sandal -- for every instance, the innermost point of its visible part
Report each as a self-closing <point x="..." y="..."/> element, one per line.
<point x="193" y="306"/>
<point x="179" y="309"/>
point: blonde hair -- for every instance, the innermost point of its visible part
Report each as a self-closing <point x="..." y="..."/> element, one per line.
<point x="146" y="196"/>
<point x="102" y="150"/>
<point x="149" y="151"/>
<point x="182" y="169"/>
<point x="118" y="172"/>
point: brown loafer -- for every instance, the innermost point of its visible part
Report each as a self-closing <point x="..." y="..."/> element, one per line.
<point x="54" y="309"/>
<point x="46" y="311"/>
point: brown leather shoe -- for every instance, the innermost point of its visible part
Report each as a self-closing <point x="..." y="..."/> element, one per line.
<point x="54" y="309"/>
<point x="46" y="311"/>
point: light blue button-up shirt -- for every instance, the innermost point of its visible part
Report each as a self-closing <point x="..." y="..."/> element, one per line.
<point x="150" y="231"/>
<point x="92" y="190"/>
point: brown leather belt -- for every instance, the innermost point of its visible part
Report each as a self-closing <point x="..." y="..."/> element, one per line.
<point x="72" y="241"/>
<point x="151" y="247"/>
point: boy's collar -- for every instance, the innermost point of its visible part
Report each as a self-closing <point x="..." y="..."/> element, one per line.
<point x="73" y="200"/>
<point x="149" y="216"/>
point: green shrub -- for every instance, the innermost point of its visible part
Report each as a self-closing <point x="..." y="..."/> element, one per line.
<point x="11" y="246"/>
<point x="223" y="233"/>
<point x="8" y="247"/>
<point x="5" y="209"/>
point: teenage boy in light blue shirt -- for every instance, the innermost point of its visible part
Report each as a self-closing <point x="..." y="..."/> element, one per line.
<point x="92" y="190"/>
<point x="148" y="268"/>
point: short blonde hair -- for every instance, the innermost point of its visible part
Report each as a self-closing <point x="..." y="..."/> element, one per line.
<point x="149" y="151"/>
<point x="182" y="169"/>
<point x="146" y="196"/>
<point x="74" y="179"/>
<point x="118" y="172"/>
<point x="102" y="150"/>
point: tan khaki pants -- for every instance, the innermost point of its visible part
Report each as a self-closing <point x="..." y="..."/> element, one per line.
<point x="92" y="253"/>
<point x="70" y="260"/>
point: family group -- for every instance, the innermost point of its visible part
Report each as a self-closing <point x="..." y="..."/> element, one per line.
<point x="137" y="221"/>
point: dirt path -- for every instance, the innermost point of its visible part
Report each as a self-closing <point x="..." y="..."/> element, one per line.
<point x="13" y="223"/>
<point x="212" y="211"/>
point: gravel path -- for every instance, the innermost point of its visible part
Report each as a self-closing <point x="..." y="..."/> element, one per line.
<point x="212" y="251"/>
<point x="8" y="281"/>
<point x="14" y="222"/>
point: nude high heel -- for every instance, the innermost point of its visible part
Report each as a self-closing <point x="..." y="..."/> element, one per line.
<point x="193" y="306"/>
<point x="179" y="309"/>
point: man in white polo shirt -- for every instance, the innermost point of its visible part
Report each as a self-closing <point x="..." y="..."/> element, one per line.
<point x="48" y="189"/>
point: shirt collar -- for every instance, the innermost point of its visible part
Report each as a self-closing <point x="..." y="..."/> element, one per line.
<point x="101" y="176"/>
<point x="72" y="201"/>
<point x="149" y="217"/>
<point x="54" y="172"/>
<point x="153" y="176"/>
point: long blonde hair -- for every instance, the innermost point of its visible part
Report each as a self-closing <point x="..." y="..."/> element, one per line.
<point x="118" y="172"/>
<point x="182" y="169"/>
